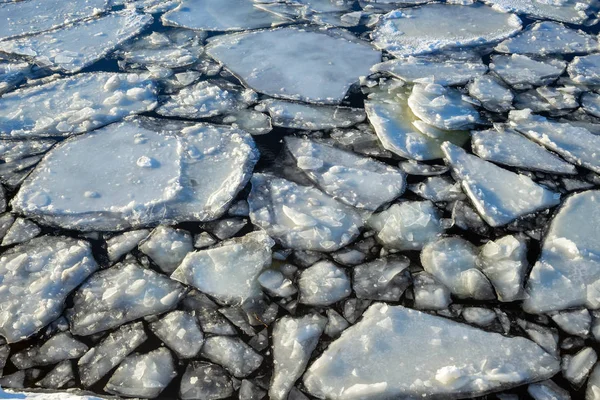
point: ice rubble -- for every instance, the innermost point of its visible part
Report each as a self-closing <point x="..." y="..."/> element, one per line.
<point x="241" y="259"/>
<point x="294" y="339"/>
<point x="585" y="70"/>
<point x="75" y="105"/>
<point x="22" y="18"/>
<point x="575" y="144"/>
<point x="179" y="330"/>
<point x="321" y="73"/>
<point x="109" y="353"/>
<point x="543" y="38"/>
<point x="406" y="353"/>
<point x="143" y="375"/>
<point x="570" y="11"/>
<point x="121" y="294"/>
<point x="294" y="115"/>
<point x="435" y="27"/>
<point x="167" y="162"/>
<point x="566" y="274"/>
<point x="408" y="225"/>
<point x="301" y="217"/>
<point x="219" y="15"/>
<point x="358" y="181"/>
<point x="508" y="147"/>
<point x="500" y="196"/>
<point x="73" y="48"/>
<point x="37" y="278"/>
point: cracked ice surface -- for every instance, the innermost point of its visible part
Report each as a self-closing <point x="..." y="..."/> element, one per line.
<point x="166" y="161"/>
<point x="407" y="353"/>
<point x="321" y="73"/>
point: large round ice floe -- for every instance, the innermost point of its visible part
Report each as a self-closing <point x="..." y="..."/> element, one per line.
<point x="301" y="217"/>
<point x="570" y="11"/>
<point x="36" y="279"/>
<point x="395" y="352"/>
<point x="296" y="64"/>
<point x="437" y="27"/>
<point x="139" y="172"/>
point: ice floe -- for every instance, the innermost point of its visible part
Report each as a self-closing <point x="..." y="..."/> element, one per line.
<point x="179" y="330"/>
<point x="287" y="114"/>
<point x="522" y="72"/>
<point x="323" y="283"/>
<point x="569" y="11"/>
<point x="491" y="93"/>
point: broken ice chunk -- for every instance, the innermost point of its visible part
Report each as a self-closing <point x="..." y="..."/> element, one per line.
<point x="567" y="273"/>
<point x="405" y="353"/>
<point x="203" y="380"/>
<point x="106" y="355"/>
<point x="276" y="284"/>
<point x="294" y="340"/>
<point x="547" y="390"/>
<point x="323" y="284"/>
<point x="438" y="189"/>
<point x="59" y="376"/>
<point x="436" y="27"/>
<point x="504" y="262"/>
<point x="576" y="144"/>
<point x="322" y="72"/>
<point x="491" y="93"/>
<point x="59" y="347"/>
<point x="577" y="367"/>
<point x="232" y="353"/>
<point x="442" y="70"/>
<point x="119" y="245"/>
<point x="570" y="11"/>
<point x="593" y="384"/>
<point x="180" y="172"/>
<point x="301" y="217"/>
<point x="453" y="261"/>
<point x="15" y="150"/>
<point x="75" y="105"/>
<point x="522" y="72"/>
<point x="287" y="114"/>
<point x="358" y="181"/>
<point x="429" y="293"/>
<point x="36" y="279"/>
<point x="574" y="322"/>
<point x="73" y="48"/>
<point x="143" y="375"/>
<point x="219" y="15"/>
<point x="384" y="279"/>
<point x="12" y="74"/>
<point x="180" y="332"/>
<point x="510" y="148"/>
<point x="548" y="37"/>
<point x="500" y="196"/>
<point x="121" y="294"/>
<point x="585" y="70"/>
<point x="590" y="103"/>
<point x="408" y="225"/>
<point x="21" y="231"/>
<point x="167" y="247"/>
<point x="174" y="48"/>
<point x="442" y="107"/>
<point x="206" y="99"/>
<point x="230" y="271"/>
<point x="25" y="18"/>
<point x="479" y="316"/>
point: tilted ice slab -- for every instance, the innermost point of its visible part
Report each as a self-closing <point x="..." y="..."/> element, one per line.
<point x="219" y="15"/>
<point x="567" y="273"/>
<point x="121" y="294"/>
<point x="301" y="217"/>
<point x="443" y="70"/>
<point x="570" y="11"/>
<point x="355" y="180"/>
<point x="549" y="38"/>
<point x="574" y="143"/>
<point x="585" y="70"/>
<point x="395" y="352"/>
<point x="293" y="115"/>
<point x="11" y="74"/>
<point x="171" y="49"/>
<point x="436" y="27"/>
<point x="294" y="340"/>
<point x="523" y="72"/>
<point x="511" y="148"/>
<point x="178" y="171"/>
<point x="230" y="271"/>
<point x="311" y="66"/>
<point x="590" y="103"/>
<point x="37" y="278"/>
<point x="442" y="107"/>
<point x="500" y="196"/>
<point x="75" y="105"/>
<point x="28" y="17"/>
<point x="73" y="48"/>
